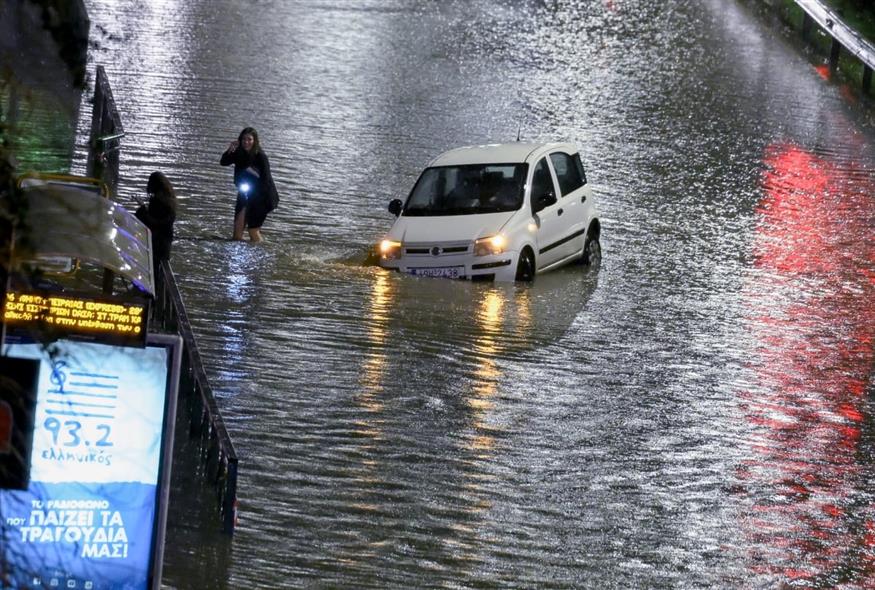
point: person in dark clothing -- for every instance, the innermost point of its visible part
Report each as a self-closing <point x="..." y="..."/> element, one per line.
<point x="159" y="214"/>
<point x="256" y="193"/>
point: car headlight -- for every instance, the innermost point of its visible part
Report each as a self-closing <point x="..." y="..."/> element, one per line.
<point x="491" y="245"/>
<point x="390" y="249"/>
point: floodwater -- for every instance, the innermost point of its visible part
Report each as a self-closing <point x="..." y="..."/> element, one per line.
<point x="696" y="412"/>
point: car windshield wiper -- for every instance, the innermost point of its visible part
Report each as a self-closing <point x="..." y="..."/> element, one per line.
<point x="417" y="211"/>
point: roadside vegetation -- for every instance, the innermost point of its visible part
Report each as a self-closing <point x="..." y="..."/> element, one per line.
<point x="857" y="14"/>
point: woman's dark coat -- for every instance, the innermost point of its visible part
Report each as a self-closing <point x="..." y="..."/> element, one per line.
<point x="159" y="218"/>
<point x="265" y="198"/>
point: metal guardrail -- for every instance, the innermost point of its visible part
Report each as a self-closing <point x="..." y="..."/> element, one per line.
<point x="842" y="36"/>
<point x="218" y="457"/>
<point x="106" y="133"/>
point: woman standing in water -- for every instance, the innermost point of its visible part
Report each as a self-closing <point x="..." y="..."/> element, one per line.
<point x="256" y="193"/>
<point x="158" y="214"/>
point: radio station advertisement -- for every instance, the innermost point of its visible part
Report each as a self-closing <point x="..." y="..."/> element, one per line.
<point x="87" y="518"/>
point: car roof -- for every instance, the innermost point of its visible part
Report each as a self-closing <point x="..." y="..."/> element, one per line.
<point x="498" y="153"/>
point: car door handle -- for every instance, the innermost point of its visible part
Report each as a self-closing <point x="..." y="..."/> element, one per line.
<point x="560" y="212"/>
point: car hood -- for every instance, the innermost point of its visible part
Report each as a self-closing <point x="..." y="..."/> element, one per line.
<point x="449" y="228"/>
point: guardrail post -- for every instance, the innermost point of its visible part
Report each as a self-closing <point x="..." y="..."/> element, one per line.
<point x="806" y="25"/>
<point x="834" y="53"/>
<point x="229" y="498"/>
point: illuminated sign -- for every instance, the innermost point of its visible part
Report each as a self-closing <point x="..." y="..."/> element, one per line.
<point x="94" y="512"/>
<point x="120" y="322"/>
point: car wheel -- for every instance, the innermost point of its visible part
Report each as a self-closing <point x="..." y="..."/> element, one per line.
<point x="592" y="252"/>
<point x="525" y="268"/>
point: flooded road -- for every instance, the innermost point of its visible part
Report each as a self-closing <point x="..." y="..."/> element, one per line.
<point x="694" y="413"/>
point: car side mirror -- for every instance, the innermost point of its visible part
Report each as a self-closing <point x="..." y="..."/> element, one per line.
<point x="395" y="207"/>
<point x="545" y="200"/>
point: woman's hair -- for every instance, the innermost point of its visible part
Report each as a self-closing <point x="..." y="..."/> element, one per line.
<point x="256" y="146"/>
<point x="161" y="192"/>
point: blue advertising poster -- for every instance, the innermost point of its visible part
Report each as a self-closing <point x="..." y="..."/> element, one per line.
<point x="88" y="518"/>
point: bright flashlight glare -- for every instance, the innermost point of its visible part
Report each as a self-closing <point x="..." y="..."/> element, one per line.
<point x="244" y="187"/>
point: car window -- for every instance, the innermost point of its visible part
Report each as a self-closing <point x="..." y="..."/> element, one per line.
<point x="567" y="172"/>
<point x="580" y="169"/>
<point x="466" y="190"/>
<point x="542" y="182"/>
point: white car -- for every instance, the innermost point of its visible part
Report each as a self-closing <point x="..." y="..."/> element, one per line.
<point x="495" y="212"/>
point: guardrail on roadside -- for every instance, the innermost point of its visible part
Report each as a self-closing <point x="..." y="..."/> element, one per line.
<point x="814" y="11"/>
<point x="106" y="134"/>
<point x="218" y="457"/>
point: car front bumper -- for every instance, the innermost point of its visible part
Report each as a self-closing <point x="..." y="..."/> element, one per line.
<point x="499" y="267"/>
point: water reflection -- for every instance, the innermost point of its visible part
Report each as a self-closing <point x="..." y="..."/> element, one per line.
<point x="814" y="254"/>
<point x="486" y="349"/>
<point x="431" y="447"/>
<point x="236" y="295"/>
<point x="372" y="375"/>
<point x="378" y="316"/>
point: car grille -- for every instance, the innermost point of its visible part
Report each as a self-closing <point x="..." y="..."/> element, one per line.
<point x="437" y="249"/>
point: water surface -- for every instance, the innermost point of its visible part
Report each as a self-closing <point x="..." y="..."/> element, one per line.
<point x="694" y="413"/>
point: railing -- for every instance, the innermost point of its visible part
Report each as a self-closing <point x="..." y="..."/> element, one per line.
<point x="106" y="134"/>
<point x="218" y="458"/>
<point x="842" y="36"/>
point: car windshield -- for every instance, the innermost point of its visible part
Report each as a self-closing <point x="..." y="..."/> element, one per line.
<point x="467" y="190"/>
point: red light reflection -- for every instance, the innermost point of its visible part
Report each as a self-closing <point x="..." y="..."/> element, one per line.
<point x="812" y="316"/>
<point x="846" y="91"/>
<point x="823" y="71"/>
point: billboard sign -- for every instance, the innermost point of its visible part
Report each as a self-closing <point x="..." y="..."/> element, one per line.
<point x="94" y="512"/>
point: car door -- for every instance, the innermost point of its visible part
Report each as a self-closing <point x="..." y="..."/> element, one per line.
<point x="586" y="197"/>
<point x="573" y="200"/>
<point x="547" y="214"/>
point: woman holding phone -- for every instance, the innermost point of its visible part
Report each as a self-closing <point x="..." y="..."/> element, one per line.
<point x="256" y="193"/>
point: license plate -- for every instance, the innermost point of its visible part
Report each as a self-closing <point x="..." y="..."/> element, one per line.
<point x="449" y="272"/>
